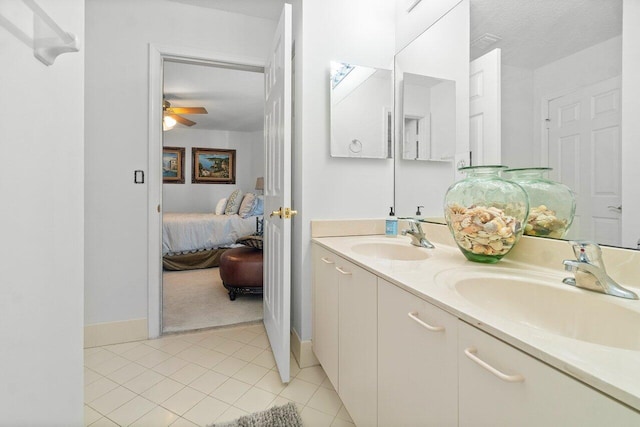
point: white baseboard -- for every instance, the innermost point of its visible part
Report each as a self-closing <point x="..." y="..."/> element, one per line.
<point x="302" y="351"/>
<point x="107" y="333"/>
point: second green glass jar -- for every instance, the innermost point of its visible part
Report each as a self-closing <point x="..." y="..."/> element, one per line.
<point x="552" y="205"/>
<point x="485" y="213"/>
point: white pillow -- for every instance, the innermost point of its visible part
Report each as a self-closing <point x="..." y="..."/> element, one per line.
<point x="221" y="206"/>
<point x="233" y="203"/>
<point x="246" y="207"/>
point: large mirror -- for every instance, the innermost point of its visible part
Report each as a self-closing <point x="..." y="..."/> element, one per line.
<point x="361" y="111"/>
<point x="429" y="118"/>
<point x="555" y="70"/>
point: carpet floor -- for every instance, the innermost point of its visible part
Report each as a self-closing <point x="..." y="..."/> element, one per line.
<point x="196" y="299"/>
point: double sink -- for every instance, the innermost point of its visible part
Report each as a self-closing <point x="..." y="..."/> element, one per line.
<point x="534" y="299"/>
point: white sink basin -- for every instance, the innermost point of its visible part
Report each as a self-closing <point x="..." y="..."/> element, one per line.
<point x="543" y="302"/>
<point x="391" y="251"/>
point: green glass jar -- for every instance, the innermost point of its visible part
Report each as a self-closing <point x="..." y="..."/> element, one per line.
<point x="485" y="213"/>
<point x="552" y="205"/>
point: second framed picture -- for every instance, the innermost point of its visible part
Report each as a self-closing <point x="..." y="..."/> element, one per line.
<point x="213" y="166"/>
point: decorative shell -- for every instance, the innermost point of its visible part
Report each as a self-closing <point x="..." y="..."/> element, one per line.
<point x="483" y="230"/>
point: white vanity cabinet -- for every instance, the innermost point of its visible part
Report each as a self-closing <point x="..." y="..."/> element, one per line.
<point x="502" y="386"/>
<point x="398" y="360"/>
<point x="325" y="311"/>
<point x="357" y="344"/>
<point x="417" y="361"/>
<point x="345" y="332"/>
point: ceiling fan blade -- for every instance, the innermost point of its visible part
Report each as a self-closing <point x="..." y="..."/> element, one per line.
<point x="189" y="110"/>
<point x="182" y="120"/>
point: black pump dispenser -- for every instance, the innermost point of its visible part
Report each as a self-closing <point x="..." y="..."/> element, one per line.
<point x="391" y="213"/>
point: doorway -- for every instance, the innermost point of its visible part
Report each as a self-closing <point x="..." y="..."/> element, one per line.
<point x="210" y="112"/>
<point x="204" y="199"/>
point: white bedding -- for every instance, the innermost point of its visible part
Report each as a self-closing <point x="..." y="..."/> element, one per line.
<point x="188" y="232"/>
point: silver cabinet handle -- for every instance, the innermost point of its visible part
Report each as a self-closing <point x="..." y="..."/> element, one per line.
<point x="471" y="354"/>
<point x="327" y="260"/>
<point x="617" y="208"/>
<point x="414" y="316"/>
<point x="341" y="271"/>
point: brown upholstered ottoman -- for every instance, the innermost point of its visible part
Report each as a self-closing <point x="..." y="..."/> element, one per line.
<point x="241" y="271"/>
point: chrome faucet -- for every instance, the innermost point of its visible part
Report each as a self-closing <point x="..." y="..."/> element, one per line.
<point x="589" y="271"/>
<point x="417" y="235"/>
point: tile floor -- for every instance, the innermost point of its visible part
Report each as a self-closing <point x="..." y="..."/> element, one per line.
<point x="196" y="379"/>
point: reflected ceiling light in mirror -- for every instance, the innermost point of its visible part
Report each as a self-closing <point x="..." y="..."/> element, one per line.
<point x="339" y="70"/>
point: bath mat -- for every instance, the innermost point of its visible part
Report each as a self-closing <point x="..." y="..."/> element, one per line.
<point x="278" y="416"/>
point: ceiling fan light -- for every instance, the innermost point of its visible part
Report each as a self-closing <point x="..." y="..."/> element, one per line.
<point x="168" y="123"/>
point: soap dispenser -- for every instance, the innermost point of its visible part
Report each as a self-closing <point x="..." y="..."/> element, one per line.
<point x="391" y="226"/>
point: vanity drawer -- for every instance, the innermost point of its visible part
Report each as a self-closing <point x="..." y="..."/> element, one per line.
<point x="502" y="386"/>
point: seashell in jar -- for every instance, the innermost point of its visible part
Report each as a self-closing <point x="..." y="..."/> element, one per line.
<point x="466" y="222"/>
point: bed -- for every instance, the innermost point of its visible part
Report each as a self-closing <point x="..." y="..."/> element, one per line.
<point x="196" y="240"/>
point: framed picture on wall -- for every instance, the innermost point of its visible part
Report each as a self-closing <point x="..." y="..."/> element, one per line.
<point x="173" y="165"/>
<point x="213" y="166"/>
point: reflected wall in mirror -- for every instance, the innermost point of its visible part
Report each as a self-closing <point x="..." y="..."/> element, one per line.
<point x="429" y="111"/>
<point x="361" y="111"/>
<point x="442" y="54"/>
<point x="558" y="82"/>
<point x="559" y="101"/>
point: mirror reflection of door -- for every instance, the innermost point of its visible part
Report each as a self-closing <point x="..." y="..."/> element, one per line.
<point x="584" y="151"/>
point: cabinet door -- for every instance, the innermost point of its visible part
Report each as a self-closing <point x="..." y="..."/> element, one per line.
<point x="357" y="383"/>
<point x="325" y="311"/>
<point x="417" y="361"/>
<point x="502" y="386"/>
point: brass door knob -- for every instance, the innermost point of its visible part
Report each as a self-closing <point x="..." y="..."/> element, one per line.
<point x="277" y="213"/>
<point x="285" y="213"/>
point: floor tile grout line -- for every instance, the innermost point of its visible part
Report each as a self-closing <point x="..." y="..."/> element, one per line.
<point x="207" y="369"/>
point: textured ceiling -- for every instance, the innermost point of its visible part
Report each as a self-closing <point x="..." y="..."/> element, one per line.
<point x="233" y="98"/>
<point x="536" y="32"/>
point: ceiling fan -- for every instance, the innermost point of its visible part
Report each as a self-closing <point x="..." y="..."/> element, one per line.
<point x="171" y="115"/>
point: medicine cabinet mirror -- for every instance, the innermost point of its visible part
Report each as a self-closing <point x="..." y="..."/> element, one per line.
<point x="361" y="111"/>
<point x="429" y="118"/>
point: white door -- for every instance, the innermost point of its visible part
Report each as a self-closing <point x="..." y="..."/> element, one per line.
<point x="485" y="109"/>
<point x="277" y="194"/>
<point x="584" y="152"/>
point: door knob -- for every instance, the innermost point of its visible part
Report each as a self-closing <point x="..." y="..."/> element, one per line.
<point x="285" y="213"/>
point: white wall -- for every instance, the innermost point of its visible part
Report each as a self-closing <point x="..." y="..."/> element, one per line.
<point x="359" y="32"/>
<point x="630" y="123"/>
<point x="518" y="148"/>
<point x="118" y="37"/>
<point x="41" y="272"/>
<point x="410" y="25"/>
<point x="190" y="197"/>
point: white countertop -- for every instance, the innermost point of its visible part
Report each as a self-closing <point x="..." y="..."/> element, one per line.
<point x="614" y="371"/>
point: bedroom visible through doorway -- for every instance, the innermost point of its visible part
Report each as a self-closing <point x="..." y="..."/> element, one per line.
<point x="213" y="161"/>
